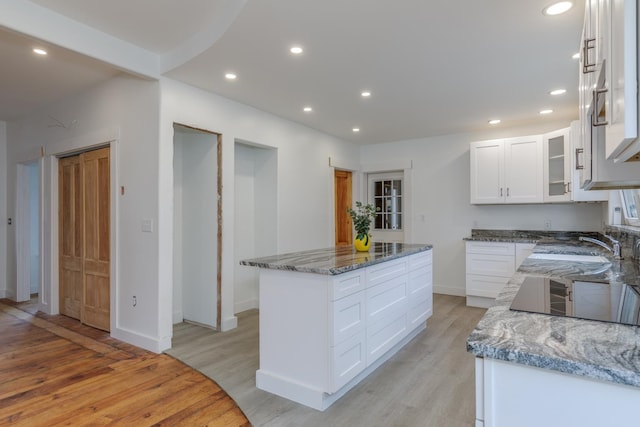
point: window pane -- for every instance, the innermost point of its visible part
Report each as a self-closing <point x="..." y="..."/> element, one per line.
<point x="397" y="186"/>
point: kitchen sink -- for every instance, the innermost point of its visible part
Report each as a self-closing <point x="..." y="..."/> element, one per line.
<point x="570" y="257"/>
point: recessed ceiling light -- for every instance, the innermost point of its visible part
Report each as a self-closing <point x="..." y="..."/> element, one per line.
<point x="307" y="109"/>
<point x="494" y="121"/>
<point x="558" y="92"/>
<point x="230" y="76"/>
<point x="39" y="51"/>
<point x="557" y="8"/>
<point x="576" y="55"/>
<point x="356" y="129"/>
<point x="296" y="50"/>
<point x="366" y="94"/>
<point x="546" y="111"/>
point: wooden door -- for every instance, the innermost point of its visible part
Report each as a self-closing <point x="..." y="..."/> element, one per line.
<point x="84" y="236"/>
<point x="70" y="236"/>
<point x="344" y="232"/>
<point x="96" y="248"/>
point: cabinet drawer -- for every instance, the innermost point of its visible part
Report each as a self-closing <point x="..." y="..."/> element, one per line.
<point x="491" y="265"/>
<point x="420" y="279"/>
<point x="420" y="309"/>
<point x="387" y="270"/>
<point x="384" y="334"/>
<point x="491" y="248"/>
<point x="347" y="284"/>
<point x="417" y="261"/>
<point x="348" y="317"/>
<point x="349" y="358"/>
<point x="485" y="286"/>
<point x="387" y="297"/>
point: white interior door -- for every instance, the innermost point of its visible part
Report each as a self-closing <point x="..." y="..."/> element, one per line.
<point x="386" y="191"/>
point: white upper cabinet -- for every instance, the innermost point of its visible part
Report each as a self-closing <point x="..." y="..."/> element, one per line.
<point x="608" y="76"/>
<point x="621" y="100"/>
<point x="506" y="171"/>
<point x="556" y="148"/>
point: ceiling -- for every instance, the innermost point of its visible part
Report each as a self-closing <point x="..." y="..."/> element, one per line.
<point x="432" y="67"/>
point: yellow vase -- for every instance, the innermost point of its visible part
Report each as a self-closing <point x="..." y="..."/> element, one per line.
<point x="362" y="245"/>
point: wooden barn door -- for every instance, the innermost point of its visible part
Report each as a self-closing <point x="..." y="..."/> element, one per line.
<point x="84" y="232"/>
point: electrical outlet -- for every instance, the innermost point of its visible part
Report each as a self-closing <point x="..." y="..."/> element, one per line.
<point x="547" y="224"/>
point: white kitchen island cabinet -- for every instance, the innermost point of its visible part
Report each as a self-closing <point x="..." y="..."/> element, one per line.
<point x="328" y="318"/>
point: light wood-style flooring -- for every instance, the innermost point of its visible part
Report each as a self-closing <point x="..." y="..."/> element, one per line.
<point x="430" y="382"/>
<point x="55" y="371"/>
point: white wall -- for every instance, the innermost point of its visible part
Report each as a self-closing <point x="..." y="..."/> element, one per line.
<point x="440" y="177"/>
<point x="305" y="194"/>
<point x="34" y="227"/>
<point x="4" y="217"/>
<point x="125" y="110"/>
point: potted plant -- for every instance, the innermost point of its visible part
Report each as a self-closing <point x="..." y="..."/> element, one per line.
<point x="361" y="218"/>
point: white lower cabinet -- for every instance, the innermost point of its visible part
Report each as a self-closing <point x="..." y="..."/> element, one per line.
<point x="369" y="314"/>
<point x="490" y="265"/>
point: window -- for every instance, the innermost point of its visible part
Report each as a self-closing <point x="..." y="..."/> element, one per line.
<point x="630" y="204"/>
<point x="387" y="198"/>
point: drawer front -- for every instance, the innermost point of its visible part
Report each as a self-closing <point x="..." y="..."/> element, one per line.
<point x="421" y="259"/>
<point x="386" y="298"/>
<point x="387" y="270"/>
<point x="383" y="335"/>
<point x="347" y="284"/>
<point x="348" y="317"/>
<point x="420" y="310"/>
<point x="485" y="286"/>
<point x="349" y="358"/>
<point x="494" y="248"/>
<point x="420" y="279"/>
<point x="491" y="265"/>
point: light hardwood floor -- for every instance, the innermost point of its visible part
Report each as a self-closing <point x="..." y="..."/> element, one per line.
<point x="55" y="371"/>
<point x="430" y="382"/>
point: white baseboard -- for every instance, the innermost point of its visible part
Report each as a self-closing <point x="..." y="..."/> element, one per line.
<point x="245" y="305"/>
<point x="6" y="293"/>
<point x="155" y="344"/>
<point x="449" y="290"/>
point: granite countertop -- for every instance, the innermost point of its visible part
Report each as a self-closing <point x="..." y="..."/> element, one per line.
<point x="589" y="348"/>
<point x="524" y="236"/>
<point x="336" y="260"/>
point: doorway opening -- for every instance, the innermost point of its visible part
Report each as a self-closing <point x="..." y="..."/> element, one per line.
<point x="255" y="216"/>
<point x="197" y="231"/>
<point x="343" y="200"/>
<point x="28" y="232"/>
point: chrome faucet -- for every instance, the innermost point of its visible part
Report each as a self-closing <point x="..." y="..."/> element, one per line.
<point x="614" y="249"/>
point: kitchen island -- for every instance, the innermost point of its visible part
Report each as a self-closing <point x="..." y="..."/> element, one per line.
<point x="330" y="317"/>
<point x="537" y="369"/>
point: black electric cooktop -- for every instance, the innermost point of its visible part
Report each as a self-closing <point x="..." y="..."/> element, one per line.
<point x="616" y="302"/>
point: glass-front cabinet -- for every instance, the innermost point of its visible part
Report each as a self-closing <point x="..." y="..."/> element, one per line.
<point x="557" y="166"/>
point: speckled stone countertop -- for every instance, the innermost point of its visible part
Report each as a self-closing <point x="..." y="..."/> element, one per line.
<point x="336" y="260"/>
<point x="523" y="236"/>
<point x="598" y="350"/>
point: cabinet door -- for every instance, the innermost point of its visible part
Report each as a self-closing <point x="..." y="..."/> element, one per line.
<point x="556" y="166"/>
<point x="487" y="172"/>
<point x="523" y="169"/>
<point x="622" y="96"/>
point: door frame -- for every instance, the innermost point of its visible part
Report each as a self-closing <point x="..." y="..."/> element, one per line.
<point x="49" y="300"/>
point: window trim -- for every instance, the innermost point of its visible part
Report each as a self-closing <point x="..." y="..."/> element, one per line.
<point x="635" y="221"/>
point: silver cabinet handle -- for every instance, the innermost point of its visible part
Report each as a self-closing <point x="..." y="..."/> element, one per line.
<point x="569" y="187"/>
<point x="507" y="191"/>
<point x="586" y="47"/>
<point x="578" y="152"/>
<point x="594" y="112"/>
<point x="500" y="191"/>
